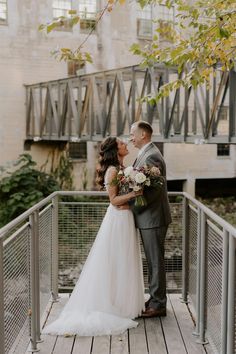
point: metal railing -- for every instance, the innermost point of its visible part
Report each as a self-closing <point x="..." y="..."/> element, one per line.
<point x="43" y="251"/>
<point x="209" y="245"/>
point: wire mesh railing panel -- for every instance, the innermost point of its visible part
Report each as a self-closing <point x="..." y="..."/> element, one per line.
<point x="45" y="252"/>
<point x="79" y="223"/>
<point x="214" y="285"/>
<point x="16" y="269"/>
<point x="173" y="247"/>
<point x="193" y="256"/>
<point x="78" y="227"/>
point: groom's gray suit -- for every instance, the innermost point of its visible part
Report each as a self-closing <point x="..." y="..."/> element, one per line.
<point x="152" y="221"/>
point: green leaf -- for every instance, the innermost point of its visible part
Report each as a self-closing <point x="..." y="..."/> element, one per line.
<point x="72" y="12"/>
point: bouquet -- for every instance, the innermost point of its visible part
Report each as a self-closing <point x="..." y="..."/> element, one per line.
<point x="136" y="179"/>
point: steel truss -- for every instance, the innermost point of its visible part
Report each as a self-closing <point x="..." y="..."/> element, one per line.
<point x="92" y="106"/>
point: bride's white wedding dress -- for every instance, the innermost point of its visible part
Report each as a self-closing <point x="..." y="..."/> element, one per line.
<point x="110" y="291"/>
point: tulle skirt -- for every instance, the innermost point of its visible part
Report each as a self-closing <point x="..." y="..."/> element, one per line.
<point x="110" y="292"/>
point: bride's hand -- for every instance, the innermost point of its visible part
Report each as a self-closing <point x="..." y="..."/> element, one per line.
<point x="136" y="193"/>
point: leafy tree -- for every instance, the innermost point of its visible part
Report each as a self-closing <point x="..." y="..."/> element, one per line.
<point x="21" y="189"/>
<point x="201" y="39"/>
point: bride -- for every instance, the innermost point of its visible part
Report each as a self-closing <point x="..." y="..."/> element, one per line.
<point x="109" y="293"/>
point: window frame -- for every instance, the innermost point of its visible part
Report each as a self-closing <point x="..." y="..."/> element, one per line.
<point x="88" y="19"/>
<point x="223" y="151"/>
<point x="144" y="18"/>
<point x="72" y="152"/>
<point x="2" y="20"/>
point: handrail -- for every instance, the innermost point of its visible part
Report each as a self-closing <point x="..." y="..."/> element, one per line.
<point x="212" y="214"/>
<point x="214" y="244"/>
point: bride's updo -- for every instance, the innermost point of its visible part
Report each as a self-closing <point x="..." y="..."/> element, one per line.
<point x="108" y="156"/>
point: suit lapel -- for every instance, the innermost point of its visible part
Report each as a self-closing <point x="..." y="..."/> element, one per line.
<point x="141" y="159"/>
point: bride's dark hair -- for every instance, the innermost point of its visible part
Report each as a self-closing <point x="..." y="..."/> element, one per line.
<point x="108" y="157"/>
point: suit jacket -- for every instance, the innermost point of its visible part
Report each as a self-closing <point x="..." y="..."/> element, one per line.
<point x="157" y="211"/>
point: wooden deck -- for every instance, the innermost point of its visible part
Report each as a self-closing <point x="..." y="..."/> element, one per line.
<point x="171" y="335"/>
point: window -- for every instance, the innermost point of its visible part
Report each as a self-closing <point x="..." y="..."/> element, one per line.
<point x="61" y="8"/>
<point x="3" y="11"/>
<point x="164" y="14"/>
<point x="144" y="22"/>
<point x="87" y="13"/>
<point x="165" y="18"/>
<point x="78" y="150"/>
<point x="223" y="150"/>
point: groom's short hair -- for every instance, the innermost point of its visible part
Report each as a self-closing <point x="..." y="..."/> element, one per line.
<point x="145" y="126"/>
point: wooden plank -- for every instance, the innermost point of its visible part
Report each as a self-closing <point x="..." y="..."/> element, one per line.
<point x="155" y="339"/>
<point x="110" y="106"/>
<point x="139" y="109"/>
<point x="119" y="344"/>
<point x="123" y="96"/>
<point x="82" y="345"/>
<point x="137" y="339"/>
<point x="98" y="106"/>
<point x="46" y="347"/>
<point x="172" y="333"/>
<point x="53" y="106"/>
<point x="101" y="345"/>
<point x="64" y="345"/>
<point x="47" y="344"/>
<point x="186" y="325"/>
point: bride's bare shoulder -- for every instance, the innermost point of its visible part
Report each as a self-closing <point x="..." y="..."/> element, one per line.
<point x="111" y="173"/>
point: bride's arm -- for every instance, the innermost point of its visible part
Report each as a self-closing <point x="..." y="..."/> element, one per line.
<point x="116" y="199"/>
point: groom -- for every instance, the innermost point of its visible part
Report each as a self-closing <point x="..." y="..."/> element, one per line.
<point x="153" y="219"/>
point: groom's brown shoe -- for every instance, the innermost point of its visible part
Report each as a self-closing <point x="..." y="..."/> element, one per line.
<point x="151" y="312"/>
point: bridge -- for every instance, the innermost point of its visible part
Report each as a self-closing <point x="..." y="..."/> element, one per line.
<point x="92" y="106"/>
<point x="43" y="250"/>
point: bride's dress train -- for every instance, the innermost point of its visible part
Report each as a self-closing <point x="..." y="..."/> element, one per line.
<point x="109" y="292"/>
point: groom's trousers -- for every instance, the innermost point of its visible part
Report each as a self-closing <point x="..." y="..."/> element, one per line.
<point x="154" y="248"/>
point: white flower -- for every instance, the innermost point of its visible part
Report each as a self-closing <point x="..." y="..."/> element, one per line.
<point x="140" y="177"/>
<point x="120" y="172"/>
<point x="148" y="182"/>
<point x="136" y="188"/>
<point x="128" y="171"/>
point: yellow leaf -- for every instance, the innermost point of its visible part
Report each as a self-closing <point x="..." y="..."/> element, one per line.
<point x="121" y="2"/>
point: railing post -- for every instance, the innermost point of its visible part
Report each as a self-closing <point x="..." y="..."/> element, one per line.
<point x="202" y="302"/>
<point x="231" y="295"/>
<point x="2" y="336"/>
<point x="37" y="276"/>
<point x="224" y="292"/>
<point x="196" y="332"/>
<point x="54" y="265"/>
<point x="33" y="290"/>
<point x="185" y="243"/>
